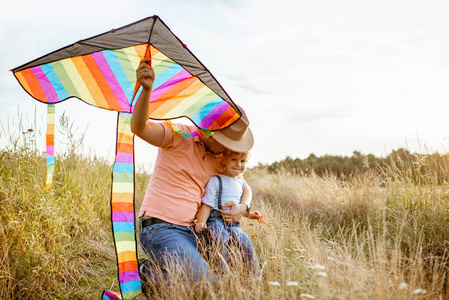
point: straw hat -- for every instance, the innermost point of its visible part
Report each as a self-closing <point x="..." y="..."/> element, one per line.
<point x="237" y="137"/>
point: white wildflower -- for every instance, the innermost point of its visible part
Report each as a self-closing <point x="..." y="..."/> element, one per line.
<point x="299" y="250"/>
<point x="307" y="296"/>
<point x="403" y="286"/>
<point x="292" y="283"/>
<point x="322" y="274"/>
<point x="274" y="283"/>
<point x="419" y="291"/>
<point x="317" y="267"/>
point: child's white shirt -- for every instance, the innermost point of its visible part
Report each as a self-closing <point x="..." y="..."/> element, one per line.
<point x="232" y="190"/>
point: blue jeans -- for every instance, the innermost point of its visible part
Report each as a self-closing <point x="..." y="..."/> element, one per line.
<point x="224" y="233"/>
<point x="169" y="244"/>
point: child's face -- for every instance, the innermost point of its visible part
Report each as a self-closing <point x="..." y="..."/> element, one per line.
<point x="235" y="165"/>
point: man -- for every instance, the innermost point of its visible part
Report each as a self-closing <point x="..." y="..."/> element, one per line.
<point x="181" y="172"/>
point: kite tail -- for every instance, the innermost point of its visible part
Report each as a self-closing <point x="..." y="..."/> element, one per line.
<point x="108" y="295"/>
<point x="50" y="137"/>
<point x="122" y="205"/>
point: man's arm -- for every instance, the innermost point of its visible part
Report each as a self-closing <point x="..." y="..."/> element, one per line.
<point x="141" y="125"/>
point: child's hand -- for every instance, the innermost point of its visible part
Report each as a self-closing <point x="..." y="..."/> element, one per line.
<point x="200" y="226"/>
<point x="255" y="215"/>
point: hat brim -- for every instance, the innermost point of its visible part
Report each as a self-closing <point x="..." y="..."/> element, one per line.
<point x="243" y="145"/>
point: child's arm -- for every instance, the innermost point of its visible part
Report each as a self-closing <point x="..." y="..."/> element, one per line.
<point x="201" y="217"/>
<point x="247" y="194"/>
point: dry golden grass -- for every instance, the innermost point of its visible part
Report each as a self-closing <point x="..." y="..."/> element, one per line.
<point x="325" y="238"/>
<point x="53" y="242"/>
<point x="372" y="242"/>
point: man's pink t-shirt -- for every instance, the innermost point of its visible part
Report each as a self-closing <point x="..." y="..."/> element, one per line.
<point x="182" y="170"/>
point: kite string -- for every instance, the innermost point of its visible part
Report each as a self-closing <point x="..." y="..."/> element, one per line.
<point x="147" y="55"/>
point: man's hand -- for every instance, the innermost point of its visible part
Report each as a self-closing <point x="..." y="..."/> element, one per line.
<point x="235" y="213"/>
<point x="145" y="74"/>
<point x="200" y="226"/>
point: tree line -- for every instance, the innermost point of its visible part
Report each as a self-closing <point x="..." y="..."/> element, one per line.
<point x="400" y="164"/>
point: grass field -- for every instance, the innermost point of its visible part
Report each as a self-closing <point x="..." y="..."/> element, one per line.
<point x="377" y="236"/>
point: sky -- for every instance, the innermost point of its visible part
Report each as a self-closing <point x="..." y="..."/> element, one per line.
<point x="323" y="77"/>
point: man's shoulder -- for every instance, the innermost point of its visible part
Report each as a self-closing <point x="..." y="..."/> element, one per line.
<point x="187" y="128"/>
<point x="174" y="126"/>
<point x="173" y="135"/>
<point x="214" y="180"/>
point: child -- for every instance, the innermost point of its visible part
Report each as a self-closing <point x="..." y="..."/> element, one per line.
<point x="221" y="189"/>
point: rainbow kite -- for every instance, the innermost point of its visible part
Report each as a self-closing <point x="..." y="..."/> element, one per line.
<point x="101" y="72"/>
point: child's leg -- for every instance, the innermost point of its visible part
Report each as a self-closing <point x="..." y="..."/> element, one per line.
<point x="245" y="245"/>
<point x="220" y="241"/>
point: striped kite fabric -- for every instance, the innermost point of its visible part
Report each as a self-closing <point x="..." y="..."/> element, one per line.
<point x="102" y="74"/>
<point x="106" y="79"/>
<point x="108" y="295"/>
